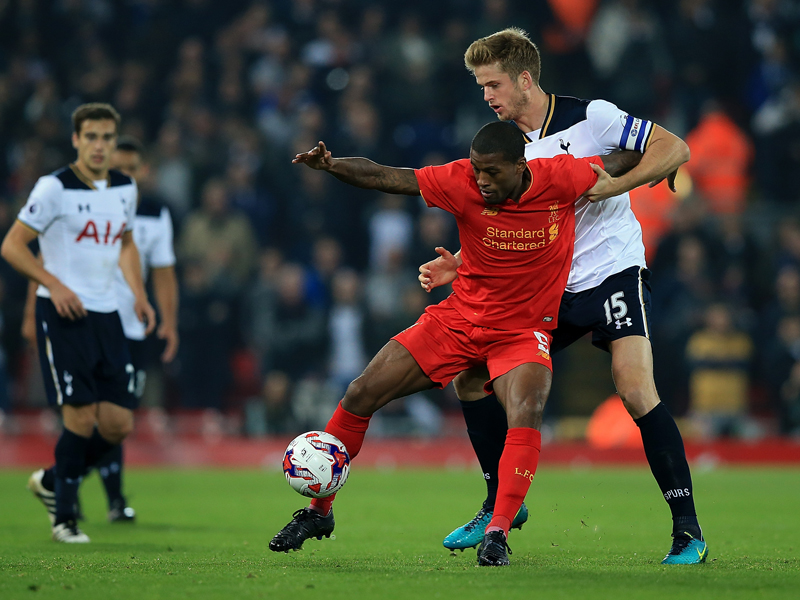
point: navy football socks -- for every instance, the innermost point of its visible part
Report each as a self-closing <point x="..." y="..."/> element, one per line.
<point x="487" y="426"/>
<point x="110" y="469"/>
<point x="663" y="446"/>
<point x="69" y="470"/>
<point x="97" y="449"/>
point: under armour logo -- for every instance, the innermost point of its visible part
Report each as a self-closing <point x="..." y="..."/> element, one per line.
<point x="565" y="148"/>
<point x="619" y="323"/>
<point x="84" y="207"/>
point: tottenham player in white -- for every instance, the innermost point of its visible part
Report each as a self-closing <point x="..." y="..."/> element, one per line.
<point x="607" y="292"/>
<point x="153" y="235"/>
<point x="83" y="218"/>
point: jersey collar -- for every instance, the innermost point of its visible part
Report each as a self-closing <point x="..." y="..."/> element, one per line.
<point x="85" y="180"/>
<point x="522" y="196"/>
<point x="551" y="106"/>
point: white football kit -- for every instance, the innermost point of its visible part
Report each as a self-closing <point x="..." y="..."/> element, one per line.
<point x="608" y="238"/>
<point x="80" y="225"/>
<point x="152" y="232"/>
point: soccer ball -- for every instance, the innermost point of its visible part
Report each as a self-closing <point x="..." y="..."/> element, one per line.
<point x="316" y="464"/>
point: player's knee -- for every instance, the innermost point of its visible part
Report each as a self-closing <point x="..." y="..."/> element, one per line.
<point x="358" y="399"/>
<point x="80" y="420"/>
<point x="355" y="391"/>
<point x="639" y="399"/>
<point x="116" y="430"/>
<point x="527" y="411"/>
<point x="534" y="404"/>
<point x="82" y="427"/>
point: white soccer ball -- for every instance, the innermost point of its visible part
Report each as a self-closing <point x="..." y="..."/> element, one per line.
<point x="316" y="464"/>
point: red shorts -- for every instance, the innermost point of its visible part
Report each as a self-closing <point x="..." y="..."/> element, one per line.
<point x="444" y="343"/>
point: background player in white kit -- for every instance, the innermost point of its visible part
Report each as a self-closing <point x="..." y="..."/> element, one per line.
<point x="152" y="232"/>
<point x="83" y="217"/>
<point x="607" y="292"/>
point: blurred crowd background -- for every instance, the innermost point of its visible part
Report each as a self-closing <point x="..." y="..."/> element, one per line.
<point x="291" y="281"/>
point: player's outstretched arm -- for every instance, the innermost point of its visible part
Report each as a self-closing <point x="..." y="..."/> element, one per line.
<point x="17" y="253"/>
<point x="132" y="270"/>
<point x="361" y="172"/>
<point x="440" y="271"/>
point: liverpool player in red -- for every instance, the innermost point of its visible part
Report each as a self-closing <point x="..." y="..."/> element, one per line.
<point x="516" y="223"/>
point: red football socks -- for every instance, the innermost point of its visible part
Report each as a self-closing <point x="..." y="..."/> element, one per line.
<point x="515" y="474"/>
<point x="350" y="429"/>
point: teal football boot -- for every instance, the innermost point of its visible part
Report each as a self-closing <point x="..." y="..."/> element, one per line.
<point x="471" y="534"/>
<point x="686" y="550"/>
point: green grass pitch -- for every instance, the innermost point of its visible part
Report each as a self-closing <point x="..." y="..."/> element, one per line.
<point x="592" y="534"/>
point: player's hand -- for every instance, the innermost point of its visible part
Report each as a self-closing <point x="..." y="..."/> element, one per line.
<point x="67" y="303"/>
<point x="606" y="186"/>
<point x="440" y="271"/>
<point x="318" y="158"/>
<point x="670" y="180"/>
<point x="146" y="314"/>
<point x="170" y="335"/>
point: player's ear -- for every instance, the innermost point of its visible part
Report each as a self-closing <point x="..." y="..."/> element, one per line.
<point x="521" y="165"/>
<point x="525" y="80"/>
<point x="75" y="140"/>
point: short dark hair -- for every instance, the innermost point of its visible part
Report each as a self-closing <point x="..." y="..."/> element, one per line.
<point x="500" y="138"/>
<point x="94" y="111"/>
<point x="128" y="143"/>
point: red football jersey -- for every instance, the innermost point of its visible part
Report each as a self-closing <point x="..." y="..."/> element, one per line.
<point x="516" y="255"/>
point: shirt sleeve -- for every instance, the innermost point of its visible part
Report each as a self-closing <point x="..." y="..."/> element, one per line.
<point x="614" y="129"/>
<point x="583" y="176"/>
<point x="133" y="201"/>
<point x="43" y="205"/>
<point x="163" y="253"/>
<point x="444" y="186"/>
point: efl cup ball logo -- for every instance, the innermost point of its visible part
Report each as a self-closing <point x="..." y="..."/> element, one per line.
<point x="316" y="464"/>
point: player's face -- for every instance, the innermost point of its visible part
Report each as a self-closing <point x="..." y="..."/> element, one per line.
<point x="95" y="143"/>
<point x="504" y="95"/>
<point x="128" y="162"/>
<point x="497" y="178"/>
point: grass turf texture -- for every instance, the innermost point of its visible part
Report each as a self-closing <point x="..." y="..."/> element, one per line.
<point x="592" y="534"/>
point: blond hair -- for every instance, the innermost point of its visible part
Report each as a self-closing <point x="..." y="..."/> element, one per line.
<point x="511" y="49"/>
